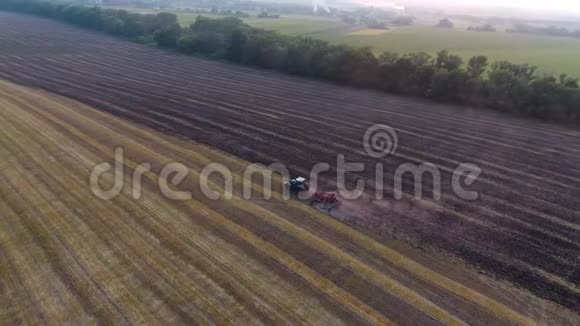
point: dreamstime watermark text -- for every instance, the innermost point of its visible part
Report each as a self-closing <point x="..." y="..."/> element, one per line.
<point x="380" y="142"/>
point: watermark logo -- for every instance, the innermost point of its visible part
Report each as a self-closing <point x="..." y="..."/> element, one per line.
<point x="379" y="141"/>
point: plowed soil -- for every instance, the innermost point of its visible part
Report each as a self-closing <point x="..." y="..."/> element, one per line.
<point x="70" y="257"/>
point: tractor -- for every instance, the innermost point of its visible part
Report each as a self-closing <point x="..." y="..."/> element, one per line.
<point x="298" y="185"/>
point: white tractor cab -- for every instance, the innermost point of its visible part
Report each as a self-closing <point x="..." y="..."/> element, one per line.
<point x="298" y="185"/>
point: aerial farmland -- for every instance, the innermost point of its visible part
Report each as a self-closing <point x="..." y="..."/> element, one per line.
<point x="70" y="97"/>
<point x="552" y="55"/>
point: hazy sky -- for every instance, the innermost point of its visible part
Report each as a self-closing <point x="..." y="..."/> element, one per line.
<point x="560" y="5"/>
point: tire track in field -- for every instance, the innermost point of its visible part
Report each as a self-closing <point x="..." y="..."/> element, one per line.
<point x="528" y="175"/>
<point x="541" y="202"/>
<point x="65" y="258"/>
<point x="351" y="94"/>
<point x="334" y="122"/>
<point x="48" y="113"/>
<point x="388" y="283"/>
<point x="456" y="162"/>
<point x="327" y="236"/>
<point x="327" y="287"/>
<point x="168" y="235"/>
<point x="71" y="230"/>
<point x="135" y="253"/>
<point x="258" y="93"/>
<point x="270" y="135"/>
<point x="14" y="298"/>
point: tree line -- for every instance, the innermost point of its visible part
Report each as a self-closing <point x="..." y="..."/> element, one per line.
<point x="482" y="28"/>
<point x="539" y="30"/>
<point x="501" y="86"/>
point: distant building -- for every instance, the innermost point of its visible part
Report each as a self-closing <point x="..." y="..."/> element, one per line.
<point x="397" y="8"/>
<point x="385" y="5"/>
<point x="320" y="6"/>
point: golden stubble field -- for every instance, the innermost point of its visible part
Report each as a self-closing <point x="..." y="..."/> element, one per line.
<point x="67" y="256"/>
